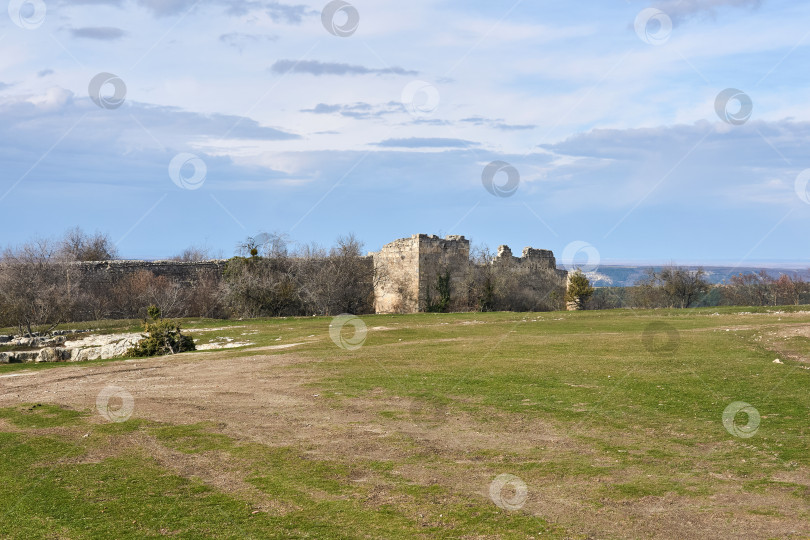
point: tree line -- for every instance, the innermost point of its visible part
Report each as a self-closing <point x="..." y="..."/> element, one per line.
<point x="679" y="287"/>
<point x="42" y="286"/>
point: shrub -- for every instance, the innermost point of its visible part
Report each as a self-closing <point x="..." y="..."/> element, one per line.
<point x="579" y="289"/>
<point x="163" y="337"/>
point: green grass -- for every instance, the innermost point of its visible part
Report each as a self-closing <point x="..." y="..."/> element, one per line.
<point x="38" y="415"/>
<point x="625" y="424"/>
<point x="49" y="490"/>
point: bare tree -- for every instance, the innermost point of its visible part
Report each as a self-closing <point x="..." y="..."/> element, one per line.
<point x="38" y="287"/>
<point x="136" y="292"/>
<point x="477" y="284"/>
<point x="751" y="290"/>
<point x="257" y="285"/>
<point x="270" y="279"/>
<point x="206" y="298"/>
<point x="673" y="286"/>
<point x="786" y="291"/>
<point x="647" y="292"/>
<point x="76" y="245"/>
<point x="340" y="282"/>
<point x="192" y="254"/>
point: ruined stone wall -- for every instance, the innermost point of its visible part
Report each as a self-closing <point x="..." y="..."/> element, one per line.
<point x="407" y="270"/>
<point x="105" y="273"/>
<point x="528" y="283"/>
<point x="534" y="261"/>
<point x="396" y="270"/>
<point x="437" y="256"/>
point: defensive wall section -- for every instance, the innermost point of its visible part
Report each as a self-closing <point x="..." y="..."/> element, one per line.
<point x="405" y="270"/>
<point x="103" y="273"/>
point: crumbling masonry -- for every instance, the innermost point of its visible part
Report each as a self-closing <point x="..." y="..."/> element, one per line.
<point x="406" y="270"/>
<point x="405" y="273"/>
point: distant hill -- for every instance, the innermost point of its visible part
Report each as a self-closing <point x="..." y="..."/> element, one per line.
<point x="626" y="276"/>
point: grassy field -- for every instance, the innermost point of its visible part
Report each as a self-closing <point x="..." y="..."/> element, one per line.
<point x="615" y="424"/>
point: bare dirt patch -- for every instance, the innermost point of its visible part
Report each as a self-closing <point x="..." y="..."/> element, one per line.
<point x="779" y="341"/>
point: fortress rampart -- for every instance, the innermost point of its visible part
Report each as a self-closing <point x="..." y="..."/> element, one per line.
<point x="104" y="273"/>
<point x="405" y="273"/>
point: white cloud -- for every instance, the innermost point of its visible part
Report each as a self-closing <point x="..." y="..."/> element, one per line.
<point x="53" y="99"/>
<point x="615" y="114"/>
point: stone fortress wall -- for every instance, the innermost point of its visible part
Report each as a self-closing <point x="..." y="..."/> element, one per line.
<point x="531" y="261"/>
<point x="405" y="269"/>
<point x="186" y="273"/>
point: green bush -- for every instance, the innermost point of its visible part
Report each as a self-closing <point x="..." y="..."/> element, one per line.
<point x="579" y="289"/>
<point x="163" y="337"/>
<point x="487" y="300"/>
<point x="443" y="288"/>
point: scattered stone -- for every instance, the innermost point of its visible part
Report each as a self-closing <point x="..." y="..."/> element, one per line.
<point x="777" y="361"/>
<point x="218" y="329"/>
<point x="227" y="345"/>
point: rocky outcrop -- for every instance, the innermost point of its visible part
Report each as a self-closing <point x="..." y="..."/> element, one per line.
<point x="96" y="347"/>
<point x="54" y="339"/>
<point x="19" y="357"/>
<point x="103" y="346"/>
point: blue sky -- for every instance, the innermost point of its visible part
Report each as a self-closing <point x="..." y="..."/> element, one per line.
<point x="286" y="120"/>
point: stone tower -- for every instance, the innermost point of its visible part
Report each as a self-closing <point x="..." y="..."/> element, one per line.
<point x="406" y="270"/>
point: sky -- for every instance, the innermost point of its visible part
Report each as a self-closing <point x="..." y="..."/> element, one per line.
<point x="676" y="130"/>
